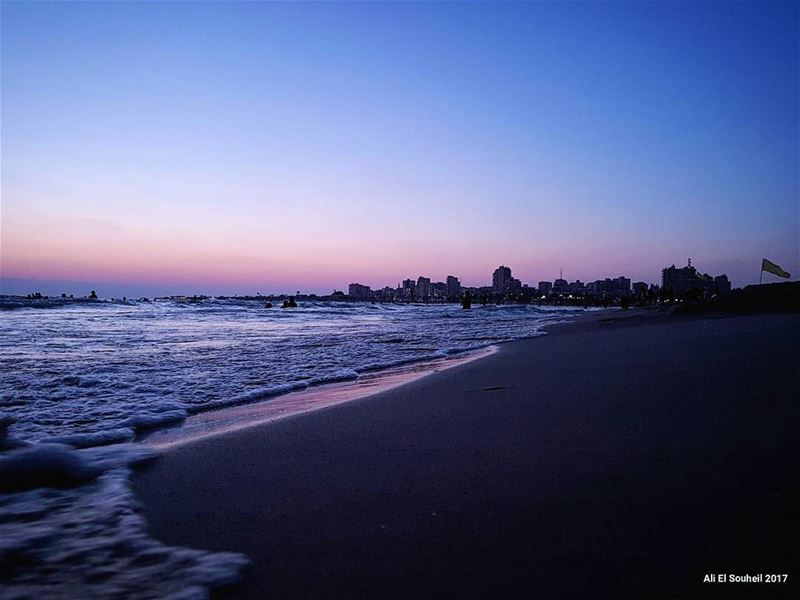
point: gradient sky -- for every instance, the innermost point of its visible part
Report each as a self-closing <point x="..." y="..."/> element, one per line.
<point x="254" y="147"/>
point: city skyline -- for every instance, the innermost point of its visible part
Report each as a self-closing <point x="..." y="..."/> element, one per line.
<point x="231" y="148"/>
<point x="674" y="282"/>
<point x="501" y="282"/>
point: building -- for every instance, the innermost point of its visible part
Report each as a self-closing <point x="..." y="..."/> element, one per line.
<point x="621" y="286"/>
<point x="722" y="284"/>
<point x="408" y="290"/>
<point x="423" y="289"/>
<point x="439" y="291"/>
<point x="679" y="281"/>
<point x="356" y="290"/>
<point x="453" y="288"/>
<point x="386" y="294"/>
<point x="501" y="279"/>
<point x="560" y="286"/>
<point x="686" y="282"/>
<point x="640" y="288"/>
<point x="577" y="287"/>
<point x="609" y="288"/>
<point x="545" y="288"/>
<point x="503" y="282"/>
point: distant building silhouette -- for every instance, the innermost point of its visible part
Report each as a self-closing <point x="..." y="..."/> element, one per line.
<point x="439" y="291"/>
<point x="500" y="279"/>
<point x="356" y="290"/>
<point x="387" y="294"/>
<point x="503" y="282"/>
<point x="679" y="281"/>
<point x="545" y="288"/>
<point x="621" y="286"/>
<point x="408" y="290"/>
<point x="560" y="286"/>
<point x="687" y="283"/>
<point x="577" y="287"/>
<point x="723" y="284"/>
<point x="423" y="289"/>
<point x="453" y="287"/>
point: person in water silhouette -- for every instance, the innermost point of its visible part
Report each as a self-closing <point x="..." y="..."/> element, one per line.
<point x="466" y="302"/>
<point x="290" y="303"/>
<point x="93" y="295"/>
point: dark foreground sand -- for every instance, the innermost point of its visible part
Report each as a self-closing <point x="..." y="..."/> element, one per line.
<point x="621" y="458"/>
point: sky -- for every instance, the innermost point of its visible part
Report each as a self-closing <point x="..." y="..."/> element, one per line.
<point x="156" y="148"/>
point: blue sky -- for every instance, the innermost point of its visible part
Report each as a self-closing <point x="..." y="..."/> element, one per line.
<point x="241" y="147"/>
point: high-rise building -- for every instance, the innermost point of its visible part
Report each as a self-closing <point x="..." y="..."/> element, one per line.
<point x="408" y="290"/>
<point x="424" y="289"/>
<point x="439" y="291"/>
<point x="621" y="286"/>
<point x="560" y="286"/>
<point x="545" y="288"/>
<point x="501" y="279"/>
<point x="687" y="282"/>
<point x="453" y="287"/>
<point x="577" y="287"/>
<point x="680" y="281"/>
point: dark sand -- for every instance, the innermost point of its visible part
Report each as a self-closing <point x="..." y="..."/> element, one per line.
<point x="622" y="458"/>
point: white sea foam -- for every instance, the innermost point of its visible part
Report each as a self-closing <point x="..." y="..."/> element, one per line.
<point x="256" y="395"/>
<point x="70" y="527"/>
<point x="343" y="375"/>
<point x="94" y="372"/>
<point x="154" y="419"/>
<point x="381" y="366"/>
<point x="96" y="438"/>
<point x="85" y="377"/>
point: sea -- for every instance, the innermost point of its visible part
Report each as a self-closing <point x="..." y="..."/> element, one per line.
<point x="82" y="383"/>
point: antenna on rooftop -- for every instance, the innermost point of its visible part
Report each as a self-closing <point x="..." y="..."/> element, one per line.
<point x="561" y="273"/>
<point x="690" y="262"/>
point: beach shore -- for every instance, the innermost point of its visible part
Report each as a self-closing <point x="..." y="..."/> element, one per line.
<point x="626" y="455"/>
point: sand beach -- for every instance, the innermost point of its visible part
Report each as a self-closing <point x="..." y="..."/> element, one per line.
<point x="626" y="454"/>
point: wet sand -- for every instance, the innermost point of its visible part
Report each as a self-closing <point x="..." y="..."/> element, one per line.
<point x="611" y="458"/>
<point x="231" y="418"/>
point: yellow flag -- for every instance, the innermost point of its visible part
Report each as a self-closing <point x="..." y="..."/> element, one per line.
<point x="771" y="267"/>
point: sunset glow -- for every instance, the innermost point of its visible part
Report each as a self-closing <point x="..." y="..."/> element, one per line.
<point x="273" y="147"/>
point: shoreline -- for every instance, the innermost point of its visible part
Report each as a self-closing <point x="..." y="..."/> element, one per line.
<point x="220" y="421"/>
<point x="610" y="457"/>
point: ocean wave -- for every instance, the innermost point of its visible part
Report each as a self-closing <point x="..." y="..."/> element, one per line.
<point x="346" y="375"/>
<point x="85" y="382"/>
<point x="253" y="396"/>
<point x="75" y="381"/>
<point x="71" y="527"/>
<point x="381" y="366"/>
<point x="72" y="375"/>
<point x="96" y="438"/>
<point x="151" y="420"/>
